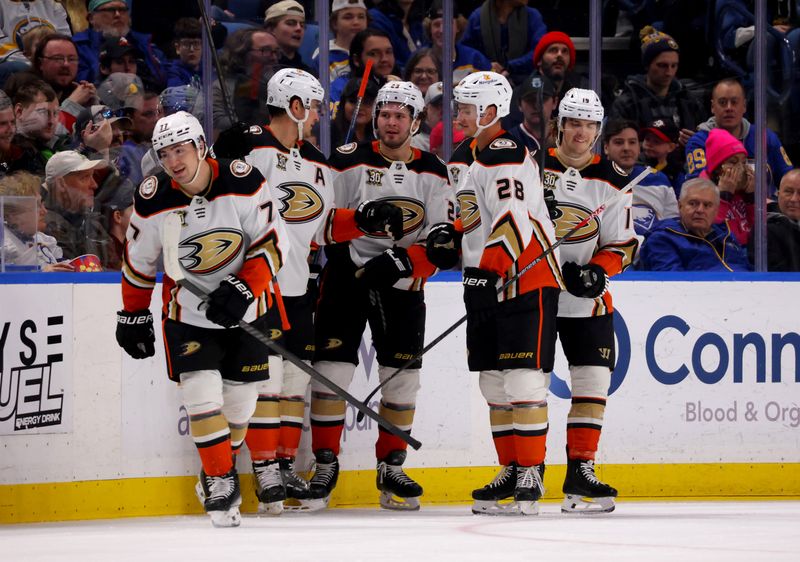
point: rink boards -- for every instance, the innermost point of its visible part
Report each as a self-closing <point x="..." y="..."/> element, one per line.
<point x="704" y="403"/>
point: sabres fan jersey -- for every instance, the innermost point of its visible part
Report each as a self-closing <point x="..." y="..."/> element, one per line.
<point x="301" y="183"/>
<point x="504" y="218"/>
<point x="653" y="200"/>
<point x="232" y="227"/>
<point x="608" y="240"/>
<point x="419" y="187"/>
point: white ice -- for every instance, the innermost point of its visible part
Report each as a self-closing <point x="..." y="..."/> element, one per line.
<point x="728" y="531"/>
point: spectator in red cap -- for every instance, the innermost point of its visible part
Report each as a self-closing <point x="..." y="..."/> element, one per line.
<point x="437" y="137"/>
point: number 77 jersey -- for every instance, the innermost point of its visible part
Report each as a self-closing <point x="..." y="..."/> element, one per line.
<point x="504" y="218"/>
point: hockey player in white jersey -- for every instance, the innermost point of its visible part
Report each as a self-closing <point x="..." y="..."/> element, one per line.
<point x="232" y="244"/>
<point x="299" y="178"/>
<point x="510" y="336"/>
<point x="378" y="280"/>
<point x="606" y="246"/>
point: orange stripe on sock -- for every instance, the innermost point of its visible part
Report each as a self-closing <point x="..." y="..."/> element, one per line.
<point x="217" y="459"/>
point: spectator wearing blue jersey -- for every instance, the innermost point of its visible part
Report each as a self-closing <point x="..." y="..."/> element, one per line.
<point x="348" y="17"/>
<point x="466" y="60"/>
<point x="728" y="106"/>
<point x="506" y="31"/>
<point x="368" y="44"/>
<point x="401" y="20"/>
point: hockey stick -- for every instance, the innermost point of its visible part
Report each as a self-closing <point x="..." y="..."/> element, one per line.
<point x="597" y="212"/>
<point x="225" y="99"/>
<point x="538" y="83"/>
<point x="361" y="89"/>
<point x="170" y="240"/>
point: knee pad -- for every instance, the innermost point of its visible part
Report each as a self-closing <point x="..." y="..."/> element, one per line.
<point x="201" y="391"/>
<point x="491" y="385"/>
<point x="275" y="381"/>
<point x="525" y="385"/>
<point x="295" y="380"/>
<point x="402" y="389"/>
<point x="590" y="381"/>
<point x="239" y="401"/>
<point x="337" y="372"/>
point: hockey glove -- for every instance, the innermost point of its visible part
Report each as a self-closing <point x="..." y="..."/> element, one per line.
<point x="386" y="269"/>
<point x="443" y="245"/>
<point x="380" y="216"/>
<point x="135" y="333"/>
<point x="552" y="204"/>
<point x="480" y="293"/>
<point x="588" y="281"/>
<point x="233" y="142"/>
<point x="229" y="302"/>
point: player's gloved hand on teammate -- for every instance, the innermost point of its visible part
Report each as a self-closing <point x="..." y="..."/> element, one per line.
<point x="480" y="293"/>
<point x="135" y="333"/>
<point x="552" y="204"/>
<point x="443" y="245"/>
<point x="229" y="302"/>
<point x="233" y="142"/>
<point x="380" y="216"/>
<point x="588" y="281"/>
<point x="386" y="269"/>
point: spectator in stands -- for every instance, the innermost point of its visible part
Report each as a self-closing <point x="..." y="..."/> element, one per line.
<point x="466" y="60"/>
<point x="437" y="137"/>
<point x="348" y="17"/>
<point x="554" y="57"/>
<point x="71" y="218"/>
<point x="368" y="44"/>
<point x="188" y="46"/>
<point x="8" y="128"/>
<point x="432" y="115"/>
<point x="110" y="18"/>
<point x="344" y="114"/>
<point x="506" y="31"/>
<point x="693" y="241"/>
<point x="658" y="94"/>
<point x="783" y="227"/>
<point x="143" y="121"/>
<point x="423" y="69"/>
<point x="653" y="198"/>
<point x="117" y="55"/>
<point x="659" y="141"/>
<point x="23" y="242"/>
<point x="116" y="208"/>
<point x="728" y="106"/>
<point x="535" y="115"/>
<point x="36" y="113"/>
<point x="19" y="18"/>
<point x="286" y="20"/>
<point x="401" y="20"/>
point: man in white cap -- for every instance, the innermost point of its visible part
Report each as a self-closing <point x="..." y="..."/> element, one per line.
<point x="286" y="20"/>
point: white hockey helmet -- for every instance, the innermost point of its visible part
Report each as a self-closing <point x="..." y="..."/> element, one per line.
<point x="579" y="103"/>
<point x="484" y="89"/>
<point x="290" y="83"/>
<point x="404" y="93"/>
<point x="177" y="128"/>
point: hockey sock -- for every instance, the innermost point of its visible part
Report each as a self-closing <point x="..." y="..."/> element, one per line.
<point x="502" y="422"/>
<point x="401" y="415"/>
<point x="212" y="437"/>
<point x="584" y="424"/>
<point x="530" y="432"/>
<point x="238" y="432"/>
<point x="264" y="429"/>
<point x="292" y="411"/>
<point x="327" y="421"/>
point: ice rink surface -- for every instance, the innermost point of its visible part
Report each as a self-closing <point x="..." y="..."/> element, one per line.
<point x="681" y="531"/>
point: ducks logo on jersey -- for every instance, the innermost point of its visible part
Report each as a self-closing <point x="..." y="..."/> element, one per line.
<point x="571" y="216"/>
<point x="211" y="251"/>
<point x="470" y="213"/>
<point x="301" y="203"/>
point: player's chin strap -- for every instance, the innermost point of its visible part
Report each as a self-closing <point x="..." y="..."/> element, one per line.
<point x="201" y="156"/>
<point x="560" y="135"/>
<point x="482" y="127"/>
<point x="300" y="122"/>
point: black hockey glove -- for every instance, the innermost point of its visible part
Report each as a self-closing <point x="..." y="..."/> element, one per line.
<point x="386" y="269"/>
<point x="588" y="281"/>
<point x="233" y="142"/>
<point x="135" y="333"/>
<point x="229" y="302"/>
<point x="443" y="245"/>
<point x="552" y="204"/>
<point x="376" y="216"/>
<point x="480" y="293"/>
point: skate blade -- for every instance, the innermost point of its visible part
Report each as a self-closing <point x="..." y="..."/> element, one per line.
<point x="582" y="505"/>
<point x="229" y="518"/>
<point x="493" y="508"/>
<point x="198" y="491"/>
<point x="271" y="508"/>
<point x="528" y="507"/>
<point x="396" y="503"/>
<point x="307" y="505"/>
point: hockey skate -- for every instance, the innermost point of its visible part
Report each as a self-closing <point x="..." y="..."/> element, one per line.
<point x="297" y="488"/>
<point x="529" y="489"/>
<point x="269" y="487"/>
<point x="221" y="498"/>
<point x="323" y="481"/>
<point x="489" y="499"/>
<point x="583" y="492"/>
<point x="398" y="491"/>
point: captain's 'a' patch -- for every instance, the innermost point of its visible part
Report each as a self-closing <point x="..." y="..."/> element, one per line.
<point x="240" y="168"/>
<point x="500" y="144"/>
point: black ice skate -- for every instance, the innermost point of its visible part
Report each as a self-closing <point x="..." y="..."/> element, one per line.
<point x="269" y="487"/>
<point x="222" y="498"/>
<point x="489" y="499"/>
<point x="297" y="488"/>
<point x="583" y="492"/>
<point x="398" y="491"/>
<point x="323" y="481"/>
<point x="529" y="489"/>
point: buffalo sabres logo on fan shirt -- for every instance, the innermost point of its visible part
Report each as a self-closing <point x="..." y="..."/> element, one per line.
<point x="375" y="177"/>
<point x="210" y="251"/>
<point x="301" y="202"/>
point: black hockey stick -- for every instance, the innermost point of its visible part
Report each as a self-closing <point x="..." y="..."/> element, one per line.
<point x="225" y="99"/>
<point x="512" y="280"/>
<point x="170" y="239"/>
